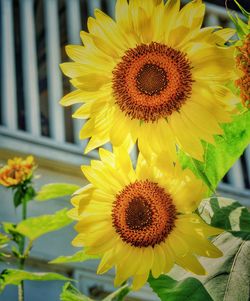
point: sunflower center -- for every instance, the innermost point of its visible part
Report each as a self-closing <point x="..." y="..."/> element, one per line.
<point x="138" y="214"/>
<point x="152" y="81"/>
<point x="143" y="214"/>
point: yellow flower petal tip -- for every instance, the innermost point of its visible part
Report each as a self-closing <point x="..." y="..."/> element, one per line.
<point x="140" y="220"/>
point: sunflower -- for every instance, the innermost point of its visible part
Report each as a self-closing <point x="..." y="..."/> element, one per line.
<point x="152" y="76"/>
<point x="141" y="220"/>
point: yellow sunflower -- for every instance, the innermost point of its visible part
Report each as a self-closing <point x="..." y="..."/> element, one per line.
<point x="152" y="76"/>
<point x="141" y="220"/>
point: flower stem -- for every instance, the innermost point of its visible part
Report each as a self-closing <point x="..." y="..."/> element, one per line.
<point x="23" y="254"/>
<point x="20" y="292"/>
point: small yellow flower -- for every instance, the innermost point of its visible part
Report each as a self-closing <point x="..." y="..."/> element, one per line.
<point x="17" y="171"/>
<point x="243" y="64"/>
<point x="141" y="220"/>
<point x="153" y="76"/>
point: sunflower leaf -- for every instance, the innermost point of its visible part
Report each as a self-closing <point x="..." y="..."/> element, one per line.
<point x="55" y="190"/>
<point x="79" y="256"/>
<point x="219" y="158"/>
<point x="35" y="227"/>
<point x="70" y="293"/>
<point x="189" y="289"/>
<point x="225" y="214"/>
<point x="14" y="277"/>
<point x="228" y="277"/>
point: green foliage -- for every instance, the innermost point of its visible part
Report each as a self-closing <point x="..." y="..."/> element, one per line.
<point x="79" y="256"/>
<point x="244" y="12"/>
<point x="189" y="289"/>
<point x="70" y="293"/>
<point x="225" y="214"/>
<point x="242" y="28"/>
<point x="35" y="227"/>
<point x="23" y="194"/>
<point x="15" y="277"/>
<point x="55" y="190"/>
<point x="220" y="157"/>
<point x="228" y="277"/>
<point x="10" y="228"/>
<point x="119" y="294"/>
<point x="4" y="239"/>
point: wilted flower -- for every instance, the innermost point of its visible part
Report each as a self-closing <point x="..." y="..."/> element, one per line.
<point x="17" y="171"/>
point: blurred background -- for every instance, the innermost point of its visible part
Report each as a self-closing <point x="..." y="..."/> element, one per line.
<point x="33" y="34"/>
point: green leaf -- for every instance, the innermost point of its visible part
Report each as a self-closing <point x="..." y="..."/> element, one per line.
<point x="29" y="194"/>
<point x="10" y="228"/>
<point x="23" y="193"/>
<point x="225" y="214"/>
<point x="70" y="293"/>
<point x="4" y="239"/>
<point x="35" y="227"/>
<point x="119" y="294"/>
<point x="14" y="277"/>
<point x="189" y="289"/>
<point x="55" y="190"/>
<point x="79" y="256"/>
<point x="18" y="197"/>
<point x="244" y="12"/>
<point x="228" y="277"/>
<point x="219" y="158"/>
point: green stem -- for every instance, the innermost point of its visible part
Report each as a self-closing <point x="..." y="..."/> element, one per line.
<point x="23" y="253"/>
<point x="20" y="292"/>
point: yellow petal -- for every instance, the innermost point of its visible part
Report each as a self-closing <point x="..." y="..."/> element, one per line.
<point x="139" y="281"/>
<point x="107" y="157"/>
<point x="159" y="261"/>
<point x="186" y="140"/>
<point x="90" y="82"/>
<point x="72" y="98"/>
<point x="172" y="7"/>
<point x="122" y="14"/>
<point x="111" y="31"/>
<point x="190" y="263"/>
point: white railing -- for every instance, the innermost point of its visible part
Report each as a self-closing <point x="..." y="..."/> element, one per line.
<point x="31" y="139"/>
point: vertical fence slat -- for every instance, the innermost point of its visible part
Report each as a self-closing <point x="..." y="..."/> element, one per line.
<point x="235" y="175"/>
<point x="73" y="13"/>
<point x="92" y="4"/>
<point x="212" y="19"/>
<point x="111" y="7"/>
<point x="29" y="63"/>
<point x="8" y="80"/>
<point x="56" y="114"/>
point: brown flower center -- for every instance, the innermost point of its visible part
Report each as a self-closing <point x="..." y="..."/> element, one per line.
<point x="152" y="81"/>
<point x="143" y="214"/>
